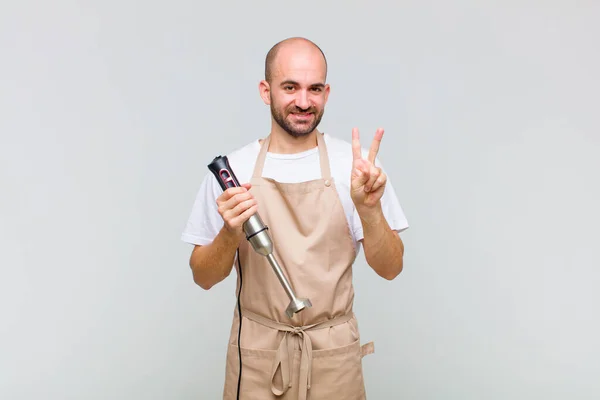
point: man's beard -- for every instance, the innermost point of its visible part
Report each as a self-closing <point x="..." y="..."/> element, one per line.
<point x="300" y="129"/>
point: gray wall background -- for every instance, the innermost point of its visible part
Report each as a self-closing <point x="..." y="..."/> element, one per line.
<point x="110" y="111"/>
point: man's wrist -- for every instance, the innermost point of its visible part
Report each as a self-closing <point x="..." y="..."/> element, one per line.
<point x="370" y="216"/>
<point x="231" y="238"/>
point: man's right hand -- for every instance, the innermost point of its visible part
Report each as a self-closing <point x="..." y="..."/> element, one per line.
<point x="236" y="205"/>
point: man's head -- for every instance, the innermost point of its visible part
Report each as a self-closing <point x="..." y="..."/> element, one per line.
<point x="295" y="85"/>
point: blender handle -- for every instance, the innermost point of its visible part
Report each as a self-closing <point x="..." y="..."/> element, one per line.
<point x="222" y="171"/>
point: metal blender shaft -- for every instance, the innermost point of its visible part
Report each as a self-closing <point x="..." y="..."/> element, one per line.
<point x="282" y="279"/>
<point x="258" y="236"/>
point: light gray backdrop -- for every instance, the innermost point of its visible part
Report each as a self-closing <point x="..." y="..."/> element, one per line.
<point x="110" y="111"/>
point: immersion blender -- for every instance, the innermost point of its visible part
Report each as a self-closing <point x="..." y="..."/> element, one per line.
<point x="257" y="235"/>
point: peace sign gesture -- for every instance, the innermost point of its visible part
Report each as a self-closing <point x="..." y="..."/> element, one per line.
<point x="367" y="180"/>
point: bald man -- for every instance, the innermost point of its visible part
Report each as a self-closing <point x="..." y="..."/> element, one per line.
<point x="322" y="198"/>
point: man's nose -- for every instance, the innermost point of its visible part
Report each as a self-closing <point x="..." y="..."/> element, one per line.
<point x="302" y="100"/>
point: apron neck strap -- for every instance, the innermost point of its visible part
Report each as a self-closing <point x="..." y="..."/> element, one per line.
<point x="323" y="158"/>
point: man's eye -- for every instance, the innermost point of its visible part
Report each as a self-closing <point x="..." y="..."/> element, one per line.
<point x="288" y="87"/>
<point x="317" y="89"/>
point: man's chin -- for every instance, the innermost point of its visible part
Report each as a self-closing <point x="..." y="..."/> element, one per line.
<point x="298" y="134"/>
<point x="299" y="130"/>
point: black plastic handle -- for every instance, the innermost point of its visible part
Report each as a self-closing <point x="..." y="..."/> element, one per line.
<point x="222" y="171"/>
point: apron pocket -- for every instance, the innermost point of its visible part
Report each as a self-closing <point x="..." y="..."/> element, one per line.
<point x="256" y="374"/>
<point x="337" y="373"/>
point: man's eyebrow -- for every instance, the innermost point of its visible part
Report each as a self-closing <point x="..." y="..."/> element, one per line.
<point x="291" y="82"/>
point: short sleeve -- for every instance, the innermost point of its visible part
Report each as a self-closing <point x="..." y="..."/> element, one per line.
<point x="204" y="222"/>
<point x="390" y="205"/>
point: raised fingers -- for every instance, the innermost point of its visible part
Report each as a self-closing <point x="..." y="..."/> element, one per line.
<point x="356" y="150"/>
<point x="375" y="145"/>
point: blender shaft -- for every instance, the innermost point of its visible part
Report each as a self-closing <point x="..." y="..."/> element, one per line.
<point x="281" y="276"/>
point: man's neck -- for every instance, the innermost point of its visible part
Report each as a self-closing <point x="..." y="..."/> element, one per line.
<point x="284" y="143"/>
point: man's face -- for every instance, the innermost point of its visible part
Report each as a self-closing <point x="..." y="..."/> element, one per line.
<point x="298" y="92"/>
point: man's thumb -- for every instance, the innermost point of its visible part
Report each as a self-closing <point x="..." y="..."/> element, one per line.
<point x="360" y="177"/>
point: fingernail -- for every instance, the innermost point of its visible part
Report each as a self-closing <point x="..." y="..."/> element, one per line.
<point x="357" y="172"/>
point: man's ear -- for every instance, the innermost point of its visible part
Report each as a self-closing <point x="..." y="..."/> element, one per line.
<point x="264" y="89"/>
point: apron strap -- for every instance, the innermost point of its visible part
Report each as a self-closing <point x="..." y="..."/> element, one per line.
<point x="284" y="356"/>
<point x="323" y="158"/>
<point x="260" y="160"/>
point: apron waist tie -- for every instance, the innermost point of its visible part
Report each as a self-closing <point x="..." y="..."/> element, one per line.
<point x="283" y="356"/>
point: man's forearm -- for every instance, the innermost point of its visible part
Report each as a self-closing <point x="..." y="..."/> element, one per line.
<point x="212" y="263"/>
<point x="383" y="247"/>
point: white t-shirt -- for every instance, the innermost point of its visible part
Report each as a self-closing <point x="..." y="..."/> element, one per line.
<point x="205" y="222"/>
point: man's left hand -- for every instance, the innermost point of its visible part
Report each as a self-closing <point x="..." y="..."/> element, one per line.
<point x="367" y="180"/>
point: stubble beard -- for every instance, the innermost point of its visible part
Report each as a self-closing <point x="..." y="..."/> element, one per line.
<point x="299" y="129"/>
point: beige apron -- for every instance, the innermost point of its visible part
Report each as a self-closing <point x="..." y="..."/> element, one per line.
<point x="316" y="355"/>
